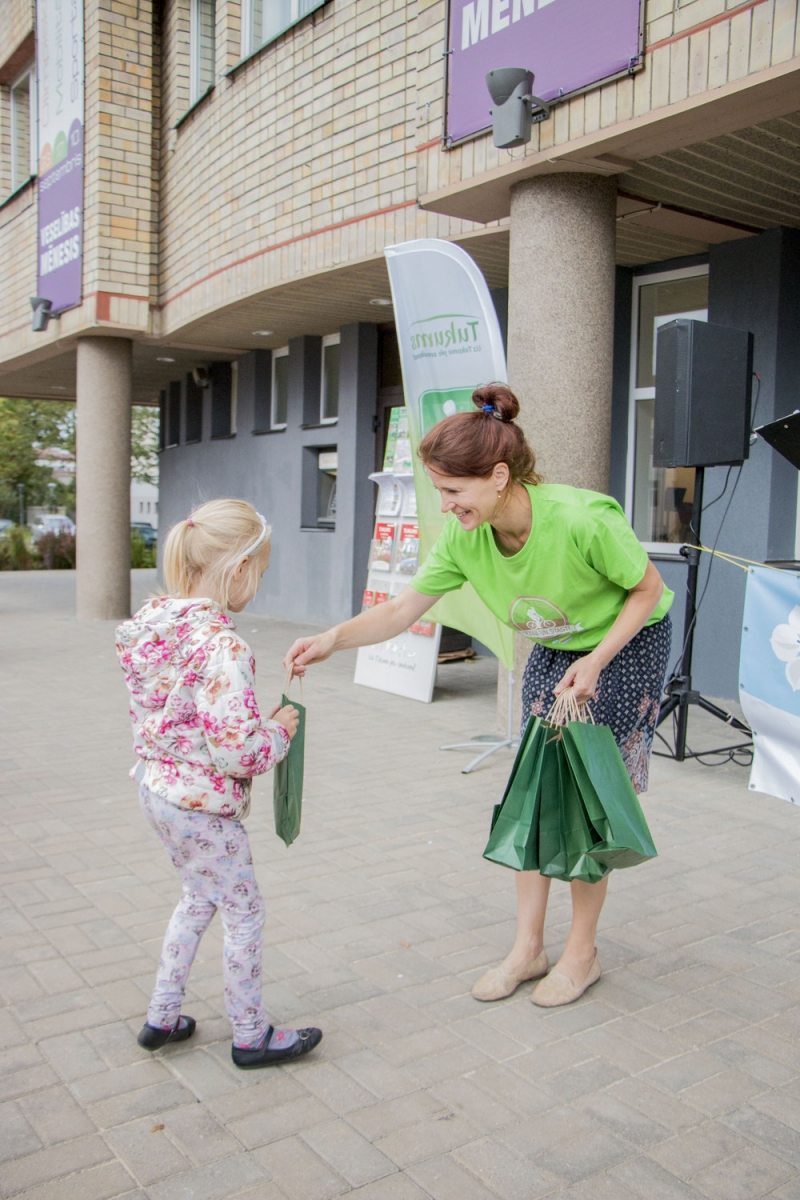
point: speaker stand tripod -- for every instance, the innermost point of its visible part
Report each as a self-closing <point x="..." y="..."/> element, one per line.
<point x="678" y="688"/>
<point x="491" y="741"/>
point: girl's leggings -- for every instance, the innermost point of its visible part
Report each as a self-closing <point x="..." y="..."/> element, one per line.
<point x="212" y="856"/>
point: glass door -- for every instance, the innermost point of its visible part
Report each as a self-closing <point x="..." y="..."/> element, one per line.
<point x="659" y="499"/>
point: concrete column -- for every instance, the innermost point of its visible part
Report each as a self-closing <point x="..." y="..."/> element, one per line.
<point x="561" y="331"/>
<point x="561" y="321"/>
<point x="104" y="478"/>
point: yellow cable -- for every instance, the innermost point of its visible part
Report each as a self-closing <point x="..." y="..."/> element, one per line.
<point x="736" y="560"/>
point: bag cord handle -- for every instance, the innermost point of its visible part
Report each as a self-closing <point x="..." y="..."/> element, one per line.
<point x="290" y="675"/>
<point x="566" y="708"/>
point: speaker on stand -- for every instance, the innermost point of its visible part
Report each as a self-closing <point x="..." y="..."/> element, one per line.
<point x="702" y="419"/>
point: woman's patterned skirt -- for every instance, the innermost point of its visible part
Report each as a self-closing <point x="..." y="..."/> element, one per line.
<point x="628" y="692"/>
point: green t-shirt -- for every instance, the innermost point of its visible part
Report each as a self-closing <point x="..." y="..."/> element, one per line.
<point x="567" y="584"/>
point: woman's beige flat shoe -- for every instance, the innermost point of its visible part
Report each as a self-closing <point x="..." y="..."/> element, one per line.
<point x="559" y="989"/>
<point x="497" y="983"/>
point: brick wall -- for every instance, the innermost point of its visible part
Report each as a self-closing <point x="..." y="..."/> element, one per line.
<point x="313" y="139"/>
<point x="118" y="190"/>
<point x="17" y="21"/>
<point x="311" y="154"/>
<point x="691" y="49"/>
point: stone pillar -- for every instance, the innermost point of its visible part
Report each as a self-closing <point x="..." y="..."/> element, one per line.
<point x="561" y="321"/>
<point x="104" y="478"/>
<point x="561" y="329"/>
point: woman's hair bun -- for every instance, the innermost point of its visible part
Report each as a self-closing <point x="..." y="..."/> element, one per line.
<point x="497" y="398"/>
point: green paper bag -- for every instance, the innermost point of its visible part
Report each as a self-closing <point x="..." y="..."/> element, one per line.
<point x="288" y="790"/>
<point x="512" y="840"/>
<point x="569" y="809"/>
<point x="566" y="835"/>
<point x="609" y="799"/>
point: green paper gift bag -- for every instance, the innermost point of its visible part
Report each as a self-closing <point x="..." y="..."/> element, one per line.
<point x="610" y="802"/>
<point x="569" y="810"/>
<point x="566" y="835"/>
<point x="288" y="789"/>
<point x="515" y="821"/>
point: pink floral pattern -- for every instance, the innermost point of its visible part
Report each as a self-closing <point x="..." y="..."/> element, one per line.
<point x="196" y="723"/>
<point x="212" y="856"/>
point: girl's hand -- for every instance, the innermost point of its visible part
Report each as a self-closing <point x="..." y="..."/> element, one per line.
<point x="308" y="650"/>
<point x="582" y="677"/>
<point x="288" y="717"/>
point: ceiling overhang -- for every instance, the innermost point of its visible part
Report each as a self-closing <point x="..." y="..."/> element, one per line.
<point x="616" y="150"/>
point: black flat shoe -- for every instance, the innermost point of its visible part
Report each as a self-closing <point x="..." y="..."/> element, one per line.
<point x="152" y="1038"/>
<point x="260" y="1056"/>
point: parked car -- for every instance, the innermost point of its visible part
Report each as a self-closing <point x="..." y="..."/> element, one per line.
<point x="51" y="523"/>
<point x="5" y="526"/>
<point x="148" y="534"/>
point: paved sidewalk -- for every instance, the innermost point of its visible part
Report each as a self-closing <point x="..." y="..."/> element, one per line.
<point x="678" y="1075"/>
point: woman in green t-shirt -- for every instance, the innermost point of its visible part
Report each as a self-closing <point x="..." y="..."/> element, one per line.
<point x="563" y="567"/>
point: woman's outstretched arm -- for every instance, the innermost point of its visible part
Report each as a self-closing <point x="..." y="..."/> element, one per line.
<point x="377" y="624"/>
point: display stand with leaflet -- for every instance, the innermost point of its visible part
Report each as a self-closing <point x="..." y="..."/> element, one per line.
<point x="406" y="664"/>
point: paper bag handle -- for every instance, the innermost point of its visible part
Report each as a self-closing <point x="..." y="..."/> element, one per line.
<point x="566" y="708"/>
<point x="289" y="677"/>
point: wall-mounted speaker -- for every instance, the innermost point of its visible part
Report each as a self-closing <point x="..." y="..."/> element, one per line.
<point x="704" y="379"/>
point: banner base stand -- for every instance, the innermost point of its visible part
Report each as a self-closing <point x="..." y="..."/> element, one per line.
<point x="490" y="740"/>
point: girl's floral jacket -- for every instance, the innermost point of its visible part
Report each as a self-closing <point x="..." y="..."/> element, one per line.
<point x="196" y="724"/>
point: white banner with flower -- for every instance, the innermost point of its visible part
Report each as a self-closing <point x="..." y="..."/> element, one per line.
<point x="769" y="679"/>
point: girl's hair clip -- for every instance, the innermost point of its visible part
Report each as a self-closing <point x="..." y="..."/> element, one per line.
<point x="190" y="522"/>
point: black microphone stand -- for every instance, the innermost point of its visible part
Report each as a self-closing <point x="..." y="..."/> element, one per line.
<point x="678" y="688"/>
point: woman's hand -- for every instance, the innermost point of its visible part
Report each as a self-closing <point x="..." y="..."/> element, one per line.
<point x="288" y="717"/>
<point x="308" y="650"/>
<point x="377" y="624"/>
<point x="582" y="677"/>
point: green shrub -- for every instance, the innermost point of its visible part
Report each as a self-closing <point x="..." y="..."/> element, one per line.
<point x="141" y="555"/>
<point x="18" y="552"/>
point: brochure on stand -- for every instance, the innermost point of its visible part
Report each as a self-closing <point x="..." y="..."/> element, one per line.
<point x="405" y="665"/>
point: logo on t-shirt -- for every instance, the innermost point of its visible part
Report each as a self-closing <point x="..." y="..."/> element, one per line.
<point x="542" y="620"/>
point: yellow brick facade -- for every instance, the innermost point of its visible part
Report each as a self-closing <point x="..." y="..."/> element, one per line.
<point x="691" y="50"/>
<point x="314" y="153"/>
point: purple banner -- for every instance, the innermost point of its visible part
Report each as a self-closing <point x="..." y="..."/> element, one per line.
<point x="568" y="44"/>
<point x="60" y="243"/>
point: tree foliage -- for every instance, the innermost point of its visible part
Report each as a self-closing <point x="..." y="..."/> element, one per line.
<point x="26" y="428"/>
<point x="29" y="426"/>
<point x="144" y="445"/>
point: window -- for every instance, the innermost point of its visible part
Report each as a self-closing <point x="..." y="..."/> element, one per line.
<point x="264" y="20"/>
<point x="280" y="388"/>
<point x="318" y="497"/>
<point x="223" y="414"/>
<point x="234" y="395"/>
<point x="174" y="413"/>
<point x="202" y="31"/>
<point x="329" y="391"/>
<point x="659" y="498"/>
<point x="193" y="416"/>
<point x="327" y="465"/>
<point x="22" y="95"/>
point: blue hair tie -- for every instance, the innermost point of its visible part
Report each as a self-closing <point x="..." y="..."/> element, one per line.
<point x="488" y="408"/>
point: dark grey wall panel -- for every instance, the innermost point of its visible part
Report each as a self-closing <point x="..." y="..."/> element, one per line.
<point x="753" y="285"/>
<point x="313" y="573"/>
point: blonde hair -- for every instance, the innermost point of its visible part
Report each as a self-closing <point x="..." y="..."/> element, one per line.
<point x="211" y="543"/>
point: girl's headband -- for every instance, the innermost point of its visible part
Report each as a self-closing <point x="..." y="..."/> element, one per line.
<point x="260" y="539"/>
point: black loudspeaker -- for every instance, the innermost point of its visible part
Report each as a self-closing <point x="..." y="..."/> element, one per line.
<point x="703" y="391"/>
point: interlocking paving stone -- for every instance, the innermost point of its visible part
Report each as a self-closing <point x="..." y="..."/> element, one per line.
<point x="676" y="1078"/>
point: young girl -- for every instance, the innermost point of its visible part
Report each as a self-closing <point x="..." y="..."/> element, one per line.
<point x="200" y="740"/>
